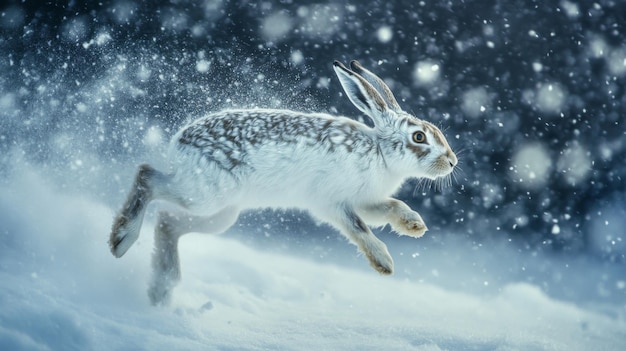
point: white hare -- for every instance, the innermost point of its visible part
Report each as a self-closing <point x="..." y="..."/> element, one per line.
<point x="340" y="170"/>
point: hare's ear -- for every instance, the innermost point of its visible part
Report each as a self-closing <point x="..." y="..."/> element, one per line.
<point x="362" y="94"/>
<point x="378" y="84"/>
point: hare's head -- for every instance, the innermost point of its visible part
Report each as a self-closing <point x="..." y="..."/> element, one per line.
<point x="408" y="144"/>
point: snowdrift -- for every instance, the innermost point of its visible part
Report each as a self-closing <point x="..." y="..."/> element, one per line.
<point x="62" y="290"/>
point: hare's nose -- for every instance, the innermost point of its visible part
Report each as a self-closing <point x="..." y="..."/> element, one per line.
<point x="452" y="159"/>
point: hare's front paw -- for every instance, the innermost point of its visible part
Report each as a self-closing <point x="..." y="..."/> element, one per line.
<point x="410" y="223"/>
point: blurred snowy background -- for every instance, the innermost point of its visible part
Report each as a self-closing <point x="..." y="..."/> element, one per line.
<point x="531" y="94"/>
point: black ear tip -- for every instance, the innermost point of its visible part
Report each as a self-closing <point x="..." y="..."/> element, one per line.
<point x="338" y="64"/>
<point x="355" y="65"/>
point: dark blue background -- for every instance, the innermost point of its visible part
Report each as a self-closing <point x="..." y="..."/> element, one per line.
<point x="49" y="56"/>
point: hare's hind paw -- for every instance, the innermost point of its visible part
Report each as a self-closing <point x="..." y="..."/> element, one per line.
<point x="410" y="224"/>
<point x="380" y="260"/>
<point x="123" y="235"/>
<point x="160" y="293"/>
<point x="385" y="268"/>
<point x="383" y="265"/>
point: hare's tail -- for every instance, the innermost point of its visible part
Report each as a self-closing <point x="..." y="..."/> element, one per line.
<point x="149" y="184"/>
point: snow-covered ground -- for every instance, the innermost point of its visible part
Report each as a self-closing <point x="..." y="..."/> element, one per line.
<point x="61" y="289"/>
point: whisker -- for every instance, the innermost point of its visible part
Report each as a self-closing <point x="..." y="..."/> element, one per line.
<point x="423" y="186"/>
<point x="459" y="169"/>
<point x="453" y="177"/>
<point x="427" y="185"/>
<point x="432" y="184"/>
<point x="417" y="187"/>
<point x="461" y="149"/>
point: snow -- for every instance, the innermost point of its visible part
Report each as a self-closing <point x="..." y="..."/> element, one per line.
<point x="62" y="289"/>
<point x="550" y="98"/>
<point x="297" y="57"/>
<point x="574" y="164"/>
<point x="526" y="248"/>
<point x="173" y="20"/>
<point x="607" y="225"/>
<point x="203" y="66"/>
<point x="475" y="101"/>
<point x="320" y="21"/>
<point x="571" y="9"/>
<point x="531" y="165"/>
<point x="598" y="46"/>
<point x="426" y="72"/>
<point x="75" y="29"/>
<point x="11" y="17"/>
<point x="144" y="73"/>
<point x="616" y="61"/>
<point x="276" y="26"/>
<point x="7" y="102"/>
<point x="154" y="137"/>
<point x="384" y="34"/>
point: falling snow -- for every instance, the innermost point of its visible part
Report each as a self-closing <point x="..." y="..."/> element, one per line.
<point x="531" y="97"/>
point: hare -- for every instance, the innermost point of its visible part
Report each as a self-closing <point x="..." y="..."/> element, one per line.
<point x="340" y="170"/>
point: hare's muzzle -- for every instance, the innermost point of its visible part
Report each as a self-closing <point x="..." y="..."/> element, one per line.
<point x="452" y="158"/>
<point x="444" y="164"/>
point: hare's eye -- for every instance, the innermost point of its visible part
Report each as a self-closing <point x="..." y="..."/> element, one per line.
<point x="419" y="137"/>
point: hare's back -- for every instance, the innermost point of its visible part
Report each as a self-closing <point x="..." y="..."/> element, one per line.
<point x="242" y="132"/>
<point x="241" y="128"/>
<point x="242" y="141"/>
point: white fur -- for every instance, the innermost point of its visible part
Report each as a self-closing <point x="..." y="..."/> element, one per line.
<point x="342" y="171"/>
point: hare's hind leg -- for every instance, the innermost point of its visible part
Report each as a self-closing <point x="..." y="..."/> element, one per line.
<point x="127" y="224"/>
<point x="149" y="184"/>
<point x="165" y="260"/>
<point x="352" y="226"/>
<point x="402" y="218"/>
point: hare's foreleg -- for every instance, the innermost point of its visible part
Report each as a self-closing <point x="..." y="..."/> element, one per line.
<point x="149" y="184"/>
<point x="352" y="226"/>
<point x="402" y="218"/>
<point x="165" y="260"/>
